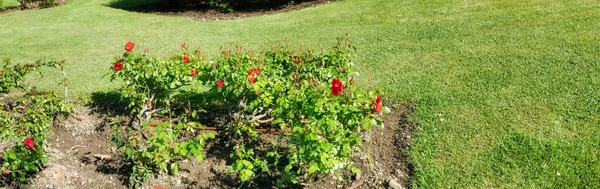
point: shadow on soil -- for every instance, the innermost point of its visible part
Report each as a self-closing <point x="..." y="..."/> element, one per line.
<point x="212" y="114"/>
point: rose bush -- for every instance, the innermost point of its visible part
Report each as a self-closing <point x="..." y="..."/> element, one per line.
<point x="308" y="98"/>
<point x="149" y="83"/>
<point x="26" y="121"/>
<point x="298" y="92"/>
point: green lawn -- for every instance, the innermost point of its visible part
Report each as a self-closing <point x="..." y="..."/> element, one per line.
<point x="507" y="91"/>
<point x="9" y="3"/>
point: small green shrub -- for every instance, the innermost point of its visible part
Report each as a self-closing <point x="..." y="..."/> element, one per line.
<point x="148" y="83"/>
<point x="26" y="121"/>
<point x="221" y="5"/>
<point x="309" y="95"/>
<point x="49" y="3"/>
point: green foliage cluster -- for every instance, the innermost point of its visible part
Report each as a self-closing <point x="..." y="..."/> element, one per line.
<point x="309" y="95"/>
<point x="26" y="121"/>
<point x="149" y="84"/>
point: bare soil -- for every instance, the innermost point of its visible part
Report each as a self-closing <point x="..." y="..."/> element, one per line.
<point x="83" y="156"/>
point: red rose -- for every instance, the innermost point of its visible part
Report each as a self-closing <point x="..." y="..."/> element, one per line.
<point x="193" y="72"/>
<point x="238" y="149"/>
<point x="377" y="107"/>
<point x="377" y="103"/>
<point x="5" y="172"/>
<point x="298" y="60"/>
<point x="129" y="45"/>
<point x="251" y="78"/>
<point x="118" y="66"/>
<point x="186" y="59"/>
<point x="254" y="71"/>
<point x="336" y="87"/>
<point x="184" y="45"/>
<point x="220" y="83"/>
<point x="28" y="143"/>
<point x="292" y="53"/>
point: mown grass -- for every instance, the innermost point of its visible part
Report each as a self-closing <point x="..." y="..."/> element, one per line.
<point x="9" y="3"/>
<point x="507" y="92"/>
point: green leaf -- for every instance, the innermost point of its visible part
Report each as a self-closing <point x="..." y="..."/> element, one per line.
<point x="313" y="168"/>
<point x="366" y="123"/>
<point x="248" y="164"/>
<point x="183" y="151"/>
<point x="246" y="174"/>
<point x="386" y="110"/>
<point x="175" y="168"/>
<point x="373" y="122"/>
<point x="238" y="165"/>
<point x="11" y="154"/>
<point x="287" y="168"/>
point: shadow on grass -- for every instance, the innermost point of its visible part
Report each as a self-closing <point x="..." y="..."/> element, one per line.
<point x="164" y="6"/>
<point x="109" y="103"/>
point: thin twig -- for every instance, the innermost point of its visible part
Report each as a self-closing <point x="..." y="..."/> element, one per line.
<point x="265" y="121"/>
<point x="62" y="70"/>
<point x="77" y="118"/>
<point x="73" y="148"/>
<point x="355" y="186"/>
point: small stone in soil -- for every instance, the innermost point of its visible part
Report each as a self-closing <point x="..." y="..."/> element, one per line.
<point x="60" y="175"/>
<point x="393" y="184"/>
